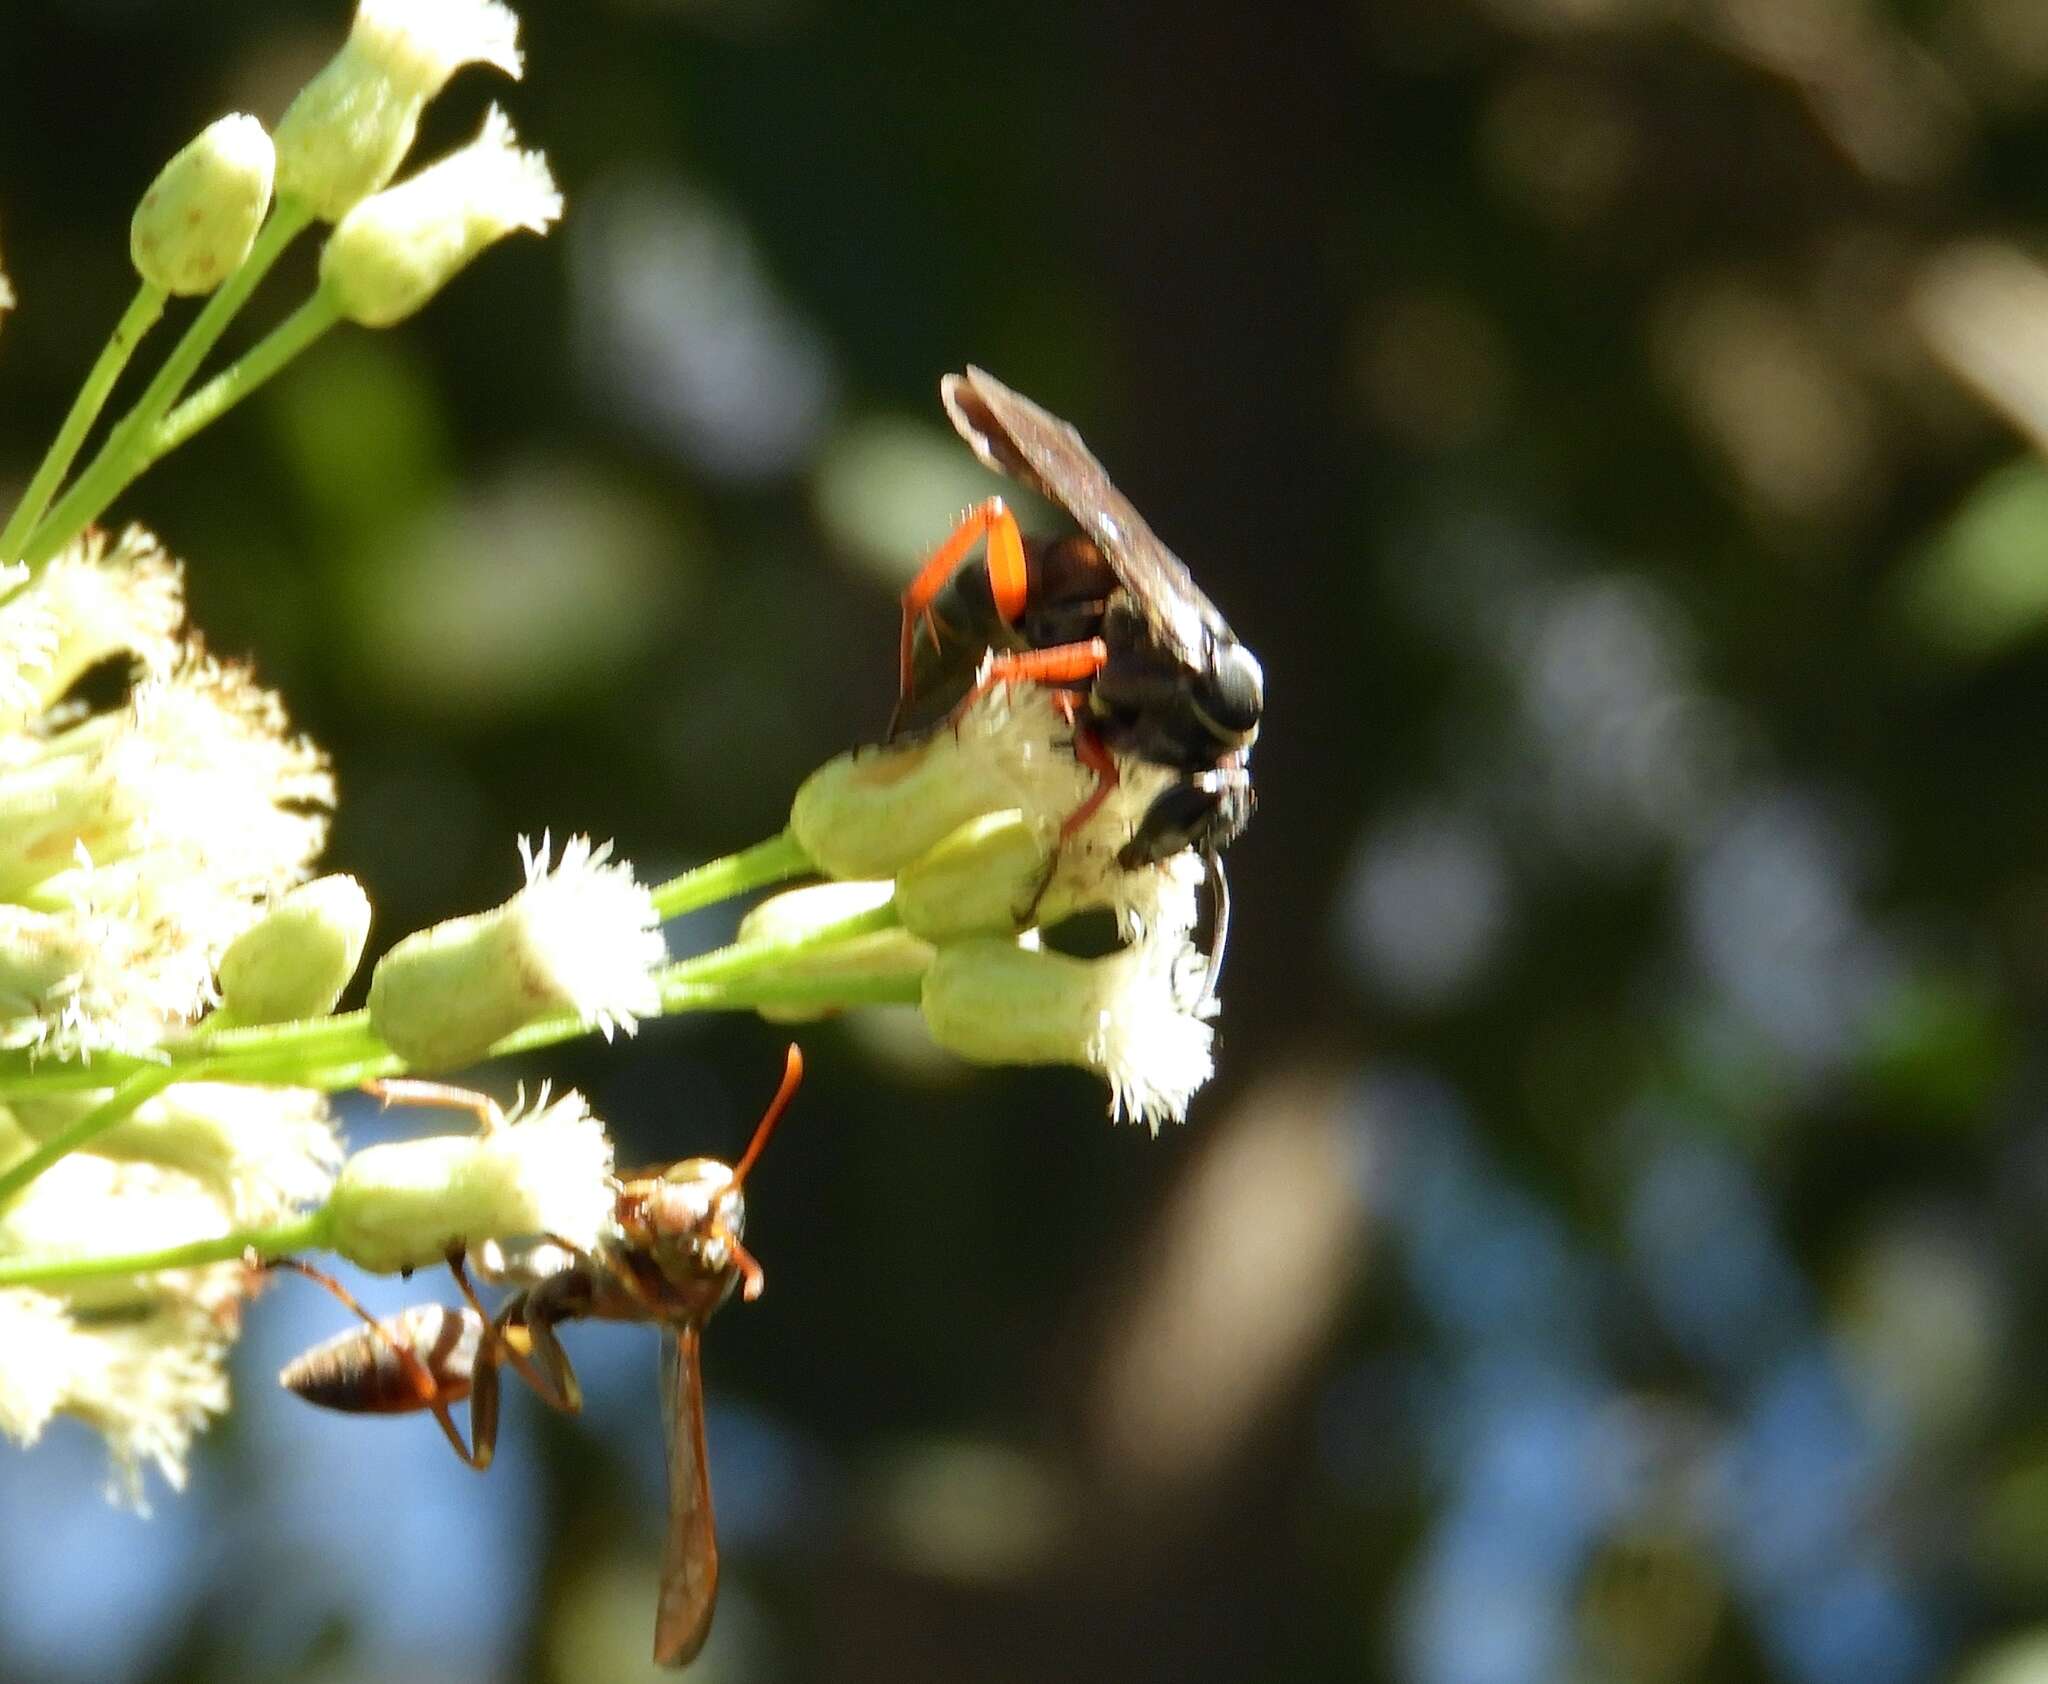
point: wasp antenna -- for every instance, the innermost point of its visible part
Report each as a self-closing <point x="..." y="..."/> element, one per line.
<point x="792" y="1075"/>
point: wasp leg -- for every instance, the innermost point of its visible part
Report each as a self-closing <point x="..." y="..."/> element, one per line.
<point x="1007" y="577"/>
<point x="554" y="1380"/>
<point x="416" y="1371"/>
<point x="404" y="1090"/>
<point x="1064" y="663"/>
<point x="1092" y="752"/>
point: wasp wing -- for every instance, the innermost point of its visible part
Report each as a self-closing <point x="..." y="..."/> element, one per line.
<point x="1014" y="436"/>
<point x="689" y="1555"/>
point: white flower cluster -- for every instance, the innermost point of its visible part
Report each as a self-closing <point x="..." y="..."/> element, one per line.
<point x="139" y="836"/>
<point x="142" y="1359"/>
<point x="158" y="819"/>
<point x="967" y="824"/>
<point x="137" y="840"/>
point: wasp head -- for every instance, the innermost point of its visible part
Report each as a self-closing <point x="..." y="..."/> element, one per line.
<point x="690" y="1220"/>
<point x="1228" y="694"/>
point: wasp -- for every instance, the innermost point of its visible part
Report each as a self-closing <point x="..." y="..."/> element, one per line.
<point x="672" y="1257"/>
<point x="1108" y="616"/>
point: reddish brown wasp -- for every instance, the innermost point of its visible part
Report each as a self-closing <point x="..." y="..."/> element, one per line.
<point x="1109" y="614"/>
<point x="673" y="1257"/>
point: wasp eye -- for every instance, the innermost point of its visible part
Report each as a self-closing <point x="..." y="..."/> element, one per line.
<point x="1232" y="692"/>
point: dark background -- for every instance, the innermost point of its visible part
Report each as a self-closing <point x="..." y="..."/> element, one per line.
<point x="1610" y="1250"/>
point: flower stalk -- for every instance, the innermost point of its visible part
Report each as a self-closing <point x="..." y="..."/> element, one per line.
<point x="134" y="442"/>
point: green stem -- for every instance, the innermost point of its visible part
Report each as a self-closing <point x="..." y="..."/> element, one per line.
<point x="338" y="1052"/>
<point x="748" y="958"/>
<point x="804" y="994"/>
<point x="306" y="1233"/>
<point x="142" y="1085"/>
<point x="127" y="449"/>
<point x="773" y="861"/>
<point x="244" y="375"/>
<point x="142" y="314"/>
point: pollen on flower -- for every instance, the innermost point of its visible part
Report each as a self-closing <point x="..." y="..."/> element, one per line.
<point x="598" y="928"/>
<point x="1153" y="1043"/>
<point x="1138" y="1017"/>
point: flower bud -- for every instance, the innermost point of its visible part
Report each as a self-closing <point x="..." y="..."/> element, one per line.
<point x="197" y="221"/>
<point x="580" y="938"/>
<point x="296" y="959"/>
<point x="402" y="1205"/>
<point x="397" y="248"/>
<point x="989" y="877"/>
<point x="881" y="954"/>
<point x="350" y="128"/>
<point x="870" y="812"/>
<point x="1135" y="1017"/>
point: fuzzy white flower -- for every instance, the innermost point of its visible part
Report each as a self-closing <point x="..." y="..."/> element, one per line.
<point x="140" y="1359"/>
<point x="136" y="844"/>
<point x="34" y="1329"/>
<point x="582" y="937"/>
<point x="394" y="250"/>
<point x="350" y="128"/>
<point x="153" y="1384"/>
<point x="402" y="1205"/>
<point x="95" y="600"/>
<point x="1138" y="1017"/>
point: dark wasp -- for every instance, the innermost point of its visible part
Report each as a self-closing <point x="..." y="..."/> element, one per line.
<point x="1108" y="616"/>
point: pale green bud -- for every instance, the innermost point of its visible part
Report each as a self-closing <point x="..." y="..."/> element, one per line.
<point x="1135" y="1017"/>
<point x="577" y="939"/>
<point x="297" y="958"/>
<point x="880" y="954"/>
<point x="350" y="128"/>
<point x="985" y="878"/>
<point x="872" y="811"/>
<point x="199" y="218"/>
<point x="397" y="248"/>
<point x="402" y="1205"/>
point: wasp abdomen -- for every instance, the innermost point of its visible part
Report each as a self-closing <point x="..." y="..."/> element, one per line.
<point x="404" y="1363"/>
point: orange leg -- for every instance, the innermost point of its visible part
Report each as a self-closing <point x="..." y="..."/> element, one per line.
<point x="1063" y="663"/>
<point x="991" y="520"/>
<point x="1094" y="754"/>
